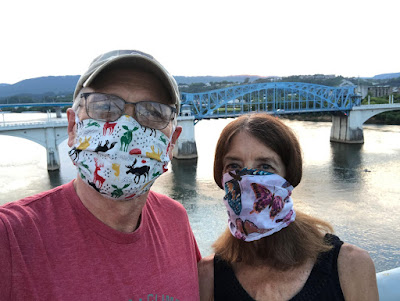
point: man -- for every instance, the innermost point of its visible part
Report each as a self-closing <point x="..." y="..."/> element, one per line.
<point x="105" y="236"/>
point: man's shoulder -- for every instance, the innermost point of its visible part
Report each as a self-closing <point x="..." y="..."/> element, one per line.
<point x="34" y="204"/>
<point x="160" y="200"/>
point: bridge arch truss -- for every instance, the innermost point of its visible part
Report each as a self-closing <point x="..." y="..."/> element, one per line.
<point x="273" y="97"/>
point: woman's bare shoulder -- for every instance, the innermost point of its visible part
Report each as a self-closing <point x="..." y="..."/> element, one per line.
<point x="206" y="278"/>
<point x="357" y="274"/>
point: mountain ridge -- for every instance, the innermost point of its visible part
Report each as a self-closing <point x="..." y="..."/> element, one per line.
<point x="386" y="75"/>
<point x="57" y="85"/>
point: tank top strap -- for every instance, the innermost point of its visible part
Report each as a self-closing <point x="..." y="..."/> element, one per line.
<point x="323" y="282"/>
<point x="334" y="241"/>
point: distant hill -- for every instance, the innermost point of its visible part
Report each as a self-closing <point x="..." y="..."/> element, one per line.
<point x="386" y="76"/>
<point x="208" y="79"/>
<point x="66" y="84"/>
<point x="41" y="85"/>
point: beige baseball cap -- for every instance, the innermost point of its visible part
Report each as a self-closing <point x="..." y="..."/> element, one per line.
<point x="133" y="58"/>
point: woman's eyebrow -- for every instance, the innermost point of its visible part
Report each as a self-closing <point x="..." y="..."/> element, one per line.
<point x="267" y="159"/>
<point x="231" y="158"/>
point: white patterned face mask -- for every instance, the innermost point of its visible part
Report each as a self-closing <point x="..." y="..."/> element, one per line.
<point x="259" y="203"/>
<point x="120" y="159"/>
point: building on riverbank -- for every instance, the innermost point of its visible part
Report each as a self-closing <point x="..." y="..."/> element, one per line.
<point x="380" y="91"/>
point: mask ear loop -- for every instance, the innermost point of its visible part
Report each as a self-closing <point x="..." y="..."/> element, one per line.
<point x="76" y="114"/>
<point x="77" y="121"/>
<point x="171" y="145"/>
<point x="173" y="130"/>
<point x="174" y="124"/>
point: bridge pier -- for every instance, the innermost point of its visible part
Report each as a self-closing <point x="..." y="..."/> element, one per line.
<point x="186" y="144"/>
<point x="58" y="112"/>
<point x="53" y="156"/>
<point x="347" y="128"/>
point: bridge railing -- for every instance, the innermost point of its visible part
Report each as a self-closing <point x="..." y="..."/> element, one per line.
<point x="42" y="104"/>
<point x="48" y="120"/>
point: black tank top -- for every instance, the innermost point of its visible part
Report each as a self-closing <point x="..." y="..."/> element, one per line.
<point x="322" y="284"/>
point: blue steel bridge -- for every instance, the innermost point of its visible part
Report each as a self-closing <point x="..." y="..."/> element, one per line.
<point x="273" y="97"/>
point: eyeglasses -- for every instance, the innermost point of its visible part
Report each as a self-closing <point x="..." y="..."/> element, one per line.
<point x="108" y="107"/>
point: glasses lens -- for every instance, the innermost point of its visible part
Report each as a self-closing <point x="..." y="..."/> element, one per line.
<point x="104" y="107"/>
<point x="153" y="114"/>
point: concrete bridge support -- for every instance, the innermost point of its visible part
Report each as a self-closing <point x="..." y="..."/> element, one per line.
<point x="186" y="144"/>
<point x="58" y="112"/>
<point x="347" y="128"/>
<point x="53" y="156"/>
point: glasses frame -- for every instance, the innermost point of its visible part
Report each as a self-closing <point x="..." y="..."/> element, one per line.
<point x="85" y="96"/>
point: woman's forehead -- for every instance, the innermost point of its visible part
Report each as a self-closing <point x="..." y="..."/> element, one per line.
<point x="246" y="143"/>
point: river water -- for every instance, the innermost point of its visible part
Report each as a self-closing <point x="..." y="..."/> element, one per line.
<point x="354" y="187"/>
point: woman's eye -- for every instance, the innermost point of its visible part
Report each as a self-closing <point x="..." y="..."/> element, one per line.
<point x="232" y="166"/>
<point x="266" y="167"/>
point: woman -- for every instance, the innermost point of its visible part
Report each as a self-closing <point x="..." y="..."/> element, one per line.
<point x="270" y="251"/>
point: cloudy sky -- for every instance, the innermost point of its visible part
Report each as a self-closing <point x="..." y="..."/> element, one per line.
<point x="208" y="37"/>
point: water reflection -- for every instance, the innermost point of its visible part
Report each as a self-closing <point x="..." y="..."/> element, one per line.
<point x="184" y="175"/>
<point x="55" y="178"/>
<point x="346" y="162"/>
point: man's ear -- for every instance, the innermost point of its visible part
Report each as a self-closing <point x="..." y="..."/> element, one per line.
<point x="174" y="137"/>
<point x="176" y="134"/>
<point x="71" y="127"/>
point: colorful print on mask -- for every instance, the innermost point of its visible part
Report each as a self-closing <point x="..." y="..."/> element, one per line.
<point x="259" y="203"/>
<point x="120" y="159"/>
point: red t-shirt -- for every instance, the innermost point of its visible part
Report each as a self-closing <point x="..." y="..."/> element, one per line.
<point x="53" y="248"/>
